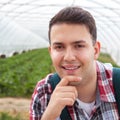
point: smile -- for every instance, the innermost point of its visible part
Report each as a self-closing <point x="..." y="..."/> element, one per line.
<point x="70" y="68"/>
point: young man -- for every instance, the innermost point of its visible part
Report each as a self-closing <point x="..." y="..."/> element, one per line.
<point x="86" y="84"/>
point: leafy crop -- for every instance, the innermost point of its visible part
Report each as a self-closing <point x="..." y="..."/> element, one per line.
<point x="20" y="73"/>
<point x="5" y="116"/>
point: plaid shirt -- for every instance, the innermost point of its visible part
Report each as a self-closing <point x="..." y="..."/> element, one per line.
<point x="104" y="109"/>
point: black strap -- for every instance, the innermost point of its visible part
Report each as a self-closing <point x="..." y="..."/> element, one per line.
<point x="116" y="85"/>
<point x="54" y="80"/>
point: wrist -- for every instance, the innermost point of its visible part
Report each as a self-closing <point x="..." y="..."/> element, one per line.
<point x="48" y="116"/>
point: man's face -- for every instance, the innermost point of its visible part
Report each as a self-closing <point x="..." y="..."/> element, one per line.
<point x="72" y="50"/>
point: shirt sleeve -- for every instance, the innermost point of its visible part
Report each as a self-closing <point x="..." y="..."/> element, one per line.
<point x="40" y="99"/>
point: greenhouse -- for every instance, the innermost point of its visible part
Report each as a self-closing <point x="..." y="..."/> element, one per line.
<point x="24" y="23"/>
<point x="25" y="60"/>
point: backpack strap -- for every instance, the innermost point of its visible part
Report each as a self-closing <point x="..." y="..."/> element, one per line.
<point x="54" y="80"/>
<point x="116" y="86"/>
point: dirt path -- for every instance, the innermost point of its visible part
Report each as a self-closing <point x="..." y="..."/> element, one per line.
<point x="15" y="106"/>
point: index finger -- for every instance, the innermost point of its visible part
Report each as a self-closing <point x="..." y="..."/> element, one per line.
<point x="68" y="79"/>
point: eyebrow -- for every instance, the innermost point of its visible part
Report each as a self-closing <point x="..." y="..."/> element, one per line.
<point x="79" y="41"/>
<point x="75" y="42"/>
<point x="57" y="43"/>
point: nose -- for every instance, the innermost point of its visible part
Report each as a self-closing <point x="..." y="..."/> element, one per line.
<point x="69" y="55"/>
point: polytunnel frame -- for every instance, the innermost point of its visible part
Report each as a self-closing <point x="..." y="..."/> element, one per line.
<point x="107" y="34"/>
<point x="115" y="34"/>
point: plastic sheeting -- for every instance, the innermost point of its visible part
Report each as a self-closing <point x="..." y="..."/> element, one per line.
<point x="29" y="26"/>
<point x="14" y="38"/>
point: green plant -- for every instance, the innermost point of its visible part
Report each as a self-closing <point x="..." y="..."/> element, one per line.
<point x="5" y="116"/>
<point x="20" y="73"/>
<point x="105" y="58"/>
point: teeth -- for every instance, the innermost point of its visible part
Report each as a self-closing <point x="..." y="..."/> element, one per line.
<point x="71" y="68"/>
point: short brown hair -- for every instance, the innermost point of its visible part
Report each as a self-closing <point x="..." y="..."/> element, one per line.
<point x="75" y="15"/>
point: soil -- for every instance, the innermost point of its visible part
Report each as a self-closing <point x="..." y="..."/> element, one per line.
<point x="15" y="106"/>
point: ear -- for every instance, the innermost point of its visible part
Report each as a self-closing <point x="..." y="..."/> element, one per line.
<point x="97" y="49"/>
<point x="49" y="50"/>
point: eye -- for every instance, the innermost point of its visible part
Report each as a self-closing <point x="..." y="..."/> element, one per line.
<point x="58" y="47"/>
<point x="79" y="46"/>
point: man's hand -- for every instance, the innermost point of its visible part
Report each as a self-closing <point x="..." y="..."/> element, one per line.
<point x="64" y="94"/>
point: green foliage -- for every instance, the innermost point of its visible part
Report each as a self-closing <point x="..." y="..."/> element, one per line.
<point x="5" y="116"/>
<point x="105" y="58"/>
<point x="20" y="73"/>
